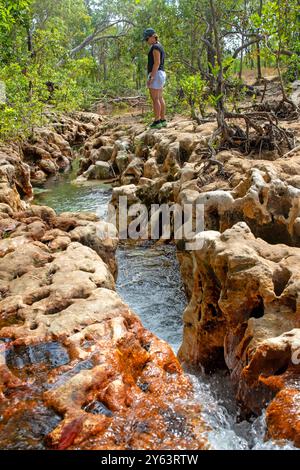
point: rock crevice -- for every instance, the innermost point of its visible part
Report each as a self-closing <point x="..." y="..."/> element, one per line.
<point x="74" y="358"/>
<point x="243" y="285"/>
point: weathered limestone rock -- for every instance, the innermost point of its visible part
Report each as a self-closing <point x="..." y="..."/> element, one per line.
<point x="99" y="171"/>
<point x="264" y="194"/>
<point x="48" y="167"/>
<point x="187" y="173"/>
<point x="38" y="177"/>
<point x="283" y="416"/>
<point x="244" y="313"/>
<point x="72" y="354"/>
<point x="101" y="237"/>
<point x="295" y="95"/>
<point x="151" y="169"/>
<point x="48" y="151"/>
<point x="122" y="161"/>
<point x="269" y="205"/>
<point x="133" y="172"/>
<point x="14" y="178"/>
<point x="243" y="293"/>
<point x="126" y="191"/>
<point x="77" y="126"/>
<point x="105" y="153"/>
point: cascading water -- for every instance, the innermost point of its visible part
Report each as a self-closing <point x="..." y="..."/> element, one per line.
<point x="149" y="281"/>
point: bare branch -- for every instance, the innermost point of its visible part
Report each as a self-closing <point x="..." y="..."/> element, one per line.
<point x="95" y="36"/>
<point x="209" y="45"/>
<point x="111" y="36"/>
<point x="242" y="47"/>
<point x="287" y="53"/>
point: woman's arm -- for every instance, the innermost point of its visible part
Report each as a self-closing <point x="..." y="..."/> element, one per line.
<point x="156" y="56"/>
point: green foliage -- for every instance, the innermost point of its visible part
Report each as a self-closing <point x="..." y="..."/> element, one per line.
<point x="280" y="25"/>
<point x="173" y="95"/>
<point x="11" y="12"/>
<point x="88" y="49"/>
<point x="19" y="113"/>
<point x="292" y="72"/>
<point x="195" y="92"/>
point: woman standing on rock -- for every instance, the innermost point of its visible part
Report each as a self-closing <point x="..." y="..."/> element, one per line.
<point x="156" y="78"/>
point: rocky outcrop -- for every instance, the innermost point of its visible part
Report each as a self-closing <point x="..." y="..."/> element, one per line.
<point x="262" y="193"/>
<point x="244" y="314"/>
<point x="48" y="150"/>
<point x="295" y="95"/>
<point x="74" y="358"/>
<point x="283" y="416"/>
<point x="101" y="170"/>
<point x="110" y="382"/>
<point x="77" y="368"/>
<point x="14" y="180"/>
<point x="243" y="284"/>
<point x="75" y="127"/>
<point x="267" y="198"/>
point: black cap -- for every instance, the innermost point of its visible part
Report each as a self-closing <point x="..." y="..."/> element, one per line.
<point x="148" y="33"/>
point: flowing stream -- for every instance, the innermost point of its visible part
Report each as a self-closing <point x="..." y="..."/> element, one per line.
<point x="149" y="282"/>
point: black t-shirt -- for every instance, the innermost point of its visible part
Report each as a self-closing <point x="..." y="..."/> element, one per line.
<point x="159" y="47"/>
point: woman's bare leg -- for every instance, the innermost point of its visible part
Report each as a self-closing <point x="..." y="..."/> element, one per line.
<point x="162" y="105"/>
<point x="156" y="103"/>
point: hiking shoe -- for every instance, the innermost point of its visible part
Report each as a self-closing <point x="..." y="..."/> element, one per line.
<point x="156" y="125"/>
<point x="163" y="123"/>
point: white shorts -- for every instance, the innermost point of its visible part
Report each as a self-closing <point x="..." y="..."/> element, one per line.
<point x="159" y="80"/>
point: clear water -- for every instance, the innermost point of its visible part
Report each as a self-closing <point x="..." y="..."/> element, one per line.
<point x="60" y="193"/>
<point x="149" y="282"/>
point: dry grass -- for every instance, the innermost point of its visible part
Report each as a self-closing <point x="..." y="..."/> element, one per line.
<point x="249" y="76"/>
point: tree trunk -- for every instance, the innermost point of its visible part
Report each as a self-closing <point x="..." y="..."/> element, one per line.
<point x="104" y="68"/>
<point x="259" y="71"/>
<point x="31" y="54"/>
<point x="241" y="61"/>
<point x="220" y="79"/>
<point x="243" y="40"/>
<point x="210" y="55"/>
<point x="193" y="39"/>
<point x="211" y="60"/>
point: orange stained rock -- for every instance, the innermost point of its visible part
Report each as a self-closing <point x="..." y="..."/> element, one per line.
<point x="283" y="416"/>
<point x="69" y="432"/>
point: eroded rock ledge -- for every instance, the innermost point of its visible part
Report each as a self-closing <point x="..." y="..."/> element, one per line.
<point x="171" y="165"/>
<point x="243" y="285"/>
<point x="71" y="348"/>
<point x="47" y="152"/>
<point x="77" y="368"/>
<point x="245" y="310"/>
<point x="110" y="383"/>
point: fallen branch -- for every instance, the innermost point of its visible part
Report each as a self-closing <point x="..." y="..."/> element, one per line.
<point x="267" y="136"/>
<point x="291" y="151"/>
<point x="282" y="109"/>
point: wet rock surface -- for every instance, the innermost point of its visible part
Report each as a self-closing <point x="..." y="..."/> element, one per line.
<point x="73" y="350"/>
<point x="77" y="368"/>
<point x="244" y="311"/>
<point x="243" y="284"/>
